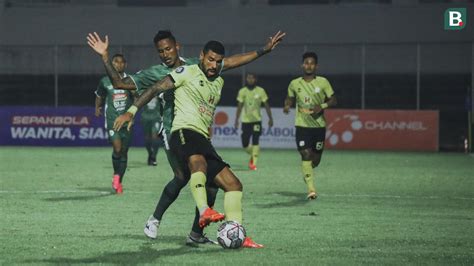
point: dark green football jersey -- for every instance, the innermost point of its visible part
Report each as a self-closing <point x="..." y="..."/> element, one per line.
<point x="151" y="111"/>
<point x="146" y="78"/>
<point x="116" y="101"/>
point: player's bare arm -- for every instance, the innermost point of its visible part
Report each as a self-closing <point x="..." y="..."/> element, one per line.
<point x="245" y="58"/>
<point x="159" y="87"/>
<point x="101" y="47"/>
<point x="98" y="106"/>
<point x="269" y="113"/>
<point x="289" y="101"/>
<point x="237" y="115"/>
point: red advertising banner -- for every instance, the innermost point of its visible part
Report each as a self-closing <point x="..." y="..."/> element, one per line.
<point x="382" y="130"/>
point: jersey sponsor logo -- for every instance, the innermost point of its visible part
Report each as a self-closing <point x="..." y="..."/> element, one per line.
<point x="180" y="70"/>
<point x="120" y="101"/>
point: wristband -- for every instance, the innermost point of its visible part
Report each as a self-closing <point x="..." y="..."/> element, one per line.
<point x="260" y="52"/>
<point x="133" y="110"/>
<point x="324" y="106"/>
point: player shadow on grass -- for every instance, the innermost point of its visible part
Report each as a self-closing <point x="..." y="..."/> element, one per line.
<point x="146" y="254"/>
<point x="101" y="192"/>
<point x="298" y="199"/>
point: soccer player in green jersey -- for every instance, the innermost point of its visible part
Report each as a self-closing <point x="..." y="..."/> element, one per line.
<point x="197" y="92"/>
<point x="312" y="94"/>
<point x="250" y="98"/>
<point x="151" y="122"/>
<point x="117" y="101"/>
<point x="168" y="50"/>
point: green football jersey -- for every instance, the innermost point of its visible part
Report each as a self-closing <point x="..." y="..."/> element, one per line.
<point x="116" y="101"/>
<point x="151" y="111"/>
<point x="308" y="95"/>
<point x="146" y="78"/>
<point x="196" y="98"/>
<point x="252" y="100"/>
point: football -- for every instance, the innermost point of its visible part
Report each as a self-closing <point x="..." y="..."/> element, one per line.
<point x="231" y="235"/>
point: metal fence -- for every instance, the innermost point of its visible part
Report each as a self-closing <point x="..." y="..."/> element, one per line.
<point x="372" y="63"/>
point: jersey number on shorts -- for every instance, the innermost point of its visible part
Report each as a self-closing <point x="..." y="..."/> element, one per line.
<point x="256" y="128"/>
<point x="319" y="145"/>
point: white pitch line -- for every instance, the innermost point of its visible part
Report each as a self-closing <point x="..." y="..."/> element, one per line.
<point x="392" y="196"/>
<point x="151" y="192"/>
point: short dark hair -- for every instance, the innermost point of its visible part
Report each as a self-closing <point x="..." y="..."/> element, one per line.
<point x="251" y="74"/>
<point x="215" y="46"/>
<point x="310" y="54"/>
<point x="119" y="55"/>
<point x="163" y="34"/>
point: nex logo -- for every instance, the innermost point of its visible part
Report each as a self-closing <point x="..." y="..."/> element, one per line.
<point x="455" y="18"/>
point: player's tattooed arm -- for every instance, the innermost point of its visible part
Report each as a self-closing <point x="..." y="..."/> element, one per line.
<point x="159" y="87"/>
<point x="98" y="106"/>
<point x="163" y="85"/>
<point x="117" y="81"/>
<point x="245" y="58"/>
<point x="289" y="101"/>
<point x="101" y="47"/>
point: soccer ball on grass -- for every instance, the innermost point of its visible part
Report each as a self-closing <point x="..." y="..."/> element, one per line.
<point x="231" y="234"/>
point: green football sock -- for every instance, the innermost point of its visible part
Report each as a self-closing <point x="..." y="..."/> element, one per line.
<point x="149" y="147"/>
<point x="116" y="164"/>
<point x="123" y="167"/>
<point x="155" y="144"/>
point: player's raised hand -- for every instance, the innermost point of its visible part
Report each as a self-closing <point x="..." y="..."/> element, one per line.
<point x="274" y="41"/>
<point x="121" y="120"/>
<point x="96" y="43"/>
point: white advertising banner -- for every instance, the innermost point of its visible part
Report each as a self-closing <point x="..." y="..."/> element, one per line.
<point x="281" y="135"/>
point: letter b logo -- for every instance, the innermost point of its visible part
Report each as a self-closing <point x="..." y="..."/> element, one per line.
<point x="455" y="18"/>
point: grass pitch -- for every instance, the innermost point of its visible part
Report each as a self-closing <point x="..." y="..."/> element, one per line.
<point x="374" y="208"/>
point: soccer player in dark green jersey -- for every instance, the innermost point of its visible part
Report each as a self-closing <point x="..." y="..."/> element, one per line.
<point x="250" y="98"/>
<point x="168" y="50"/>
<point x="312" y="94"/>
<point x="117" y="101"/>
<point x="151" y="122"/>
